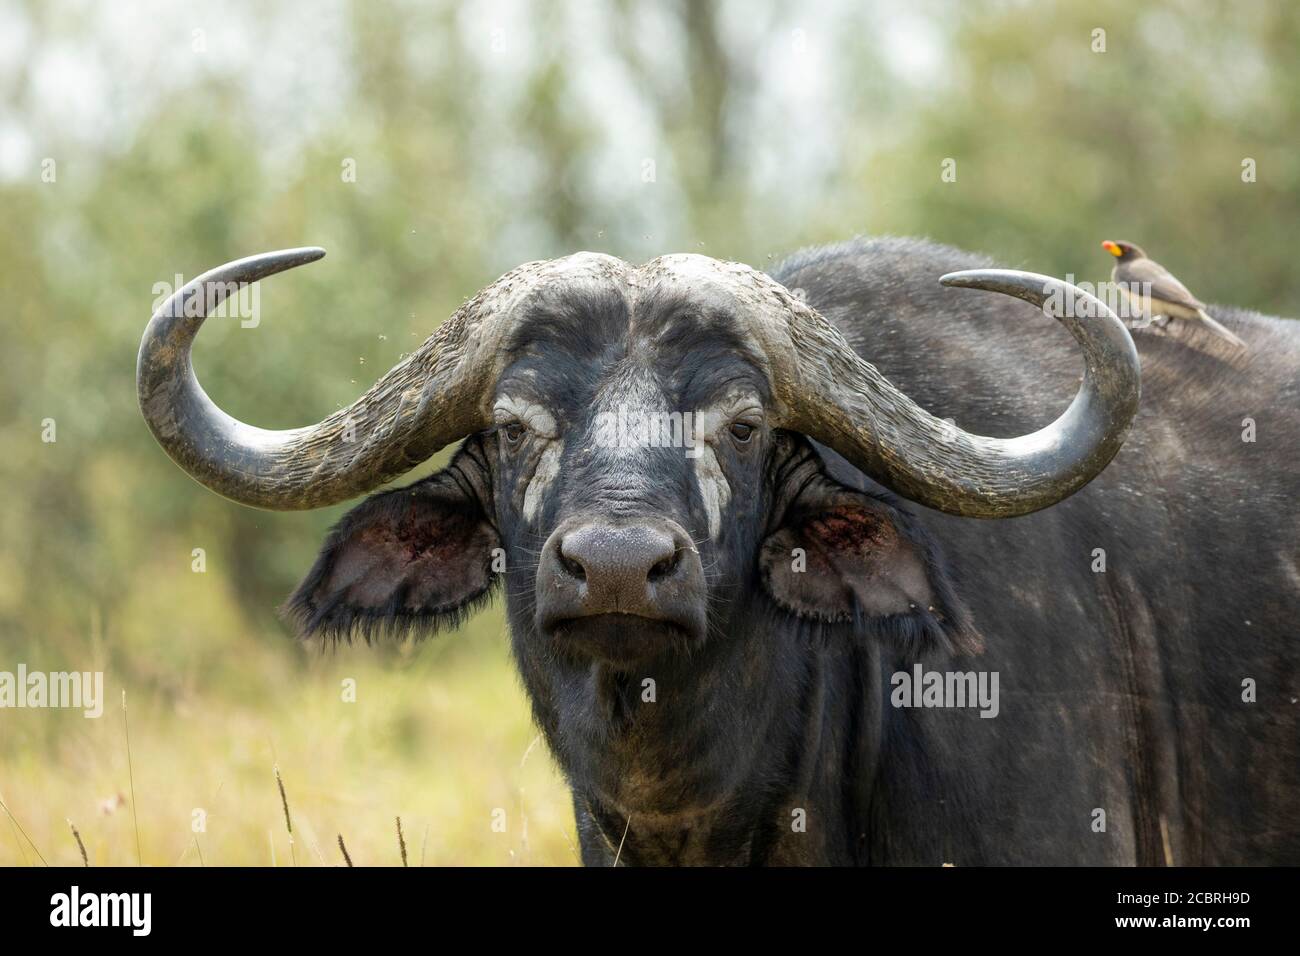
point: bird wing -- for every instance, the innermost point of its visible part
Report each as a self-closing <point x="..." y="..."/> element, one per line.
<point x="1164" y="285"/>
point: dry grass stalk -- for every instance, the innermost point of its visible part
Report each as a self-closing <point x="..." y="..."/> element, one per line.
<point x="19" y="827"/>
<point x="130" y="774"/>
<point x="80" y="846"/>
<point x="288" y="821"/>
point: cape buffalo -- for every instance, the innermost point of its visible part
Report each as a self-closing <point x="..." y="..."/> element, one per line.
<point x="779" y="636"/>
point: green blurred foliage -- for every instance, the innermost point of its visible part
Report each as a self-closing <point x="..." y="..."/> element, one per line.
<point x="484" y="137"/>
<point x="1058" y="147"/>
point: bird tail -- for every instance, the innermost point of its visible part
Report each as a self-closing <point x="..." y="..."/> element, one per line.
<point x="1215" y="326"/>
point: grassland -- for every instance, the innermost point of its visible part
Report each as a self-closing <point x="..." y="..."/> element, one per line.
<point x="439" y="735"/>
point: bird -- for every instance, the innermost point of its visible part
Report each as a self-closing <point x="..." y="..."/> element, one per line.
<point x="1154" y="290"/>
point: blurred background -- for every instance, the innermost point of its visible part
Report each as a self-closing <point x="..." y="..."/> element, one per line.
<point x="431" y="147"/>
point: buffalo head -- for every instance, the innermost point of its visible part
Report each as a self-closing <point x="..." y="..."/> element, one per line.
<point x="637" y="462"/>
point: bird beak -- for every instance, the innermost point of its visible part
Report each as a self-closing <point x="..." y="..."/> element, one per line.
<point x="1112" y="248"/>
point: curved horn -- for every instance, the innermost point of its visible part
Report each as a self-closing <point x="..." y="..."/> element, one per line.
<point x="856" y="411"/>
<point x="430" y="399"/>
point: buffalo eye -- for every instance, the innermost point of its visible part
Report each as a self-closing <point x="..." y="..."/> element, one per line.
<point x="741" y="431"/>
<point x="514" y="432"/>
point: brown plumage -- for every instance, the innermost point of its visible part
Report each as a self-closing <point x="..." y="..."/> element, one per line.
<point x="1154" y="290"/>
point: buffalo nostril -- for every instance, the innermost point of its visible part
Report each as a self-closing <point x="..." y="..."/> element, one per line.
<point x="616" y="563"/>
<point x="648" y="569"/>
<point x="664" y="567"/>
<point x="574" y="568"/>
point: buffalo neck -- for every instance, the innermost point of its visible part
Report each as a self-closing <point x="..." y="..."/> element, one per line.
<point x="754" y="749"/>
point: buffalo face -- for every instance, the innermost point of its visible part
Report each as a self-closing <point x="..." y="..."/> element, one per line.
<point x="634" y="494"/>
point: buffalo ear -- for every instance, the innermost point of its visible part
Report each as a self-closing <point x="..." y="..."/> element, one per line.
<point x="419" y="557"/>
<point x="843" y="555"/>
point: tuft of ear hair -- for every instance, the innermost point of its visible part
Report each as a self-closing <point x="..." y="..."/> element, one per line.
<point x="415" y="560"/>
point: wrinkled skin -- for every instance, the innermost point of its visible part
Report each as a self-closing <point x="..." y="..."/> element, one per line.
<point x="770" y="738"/>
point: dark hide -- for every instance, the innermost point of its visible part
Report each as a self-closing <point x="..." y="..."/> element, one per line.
<point x="773" y="739"/>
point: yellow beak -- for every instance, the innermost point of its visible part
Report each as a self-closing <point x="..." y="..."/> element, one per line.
<point x="1112" y="248"/>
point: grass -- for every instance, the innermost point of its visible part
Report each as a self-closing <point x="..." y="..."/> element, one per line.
<point x="85" y="860"/>
<point x="288" y="820"/>
<point x="19" y="831"/>
<point x="439" y="736"/>
<point x="130" y="777"/>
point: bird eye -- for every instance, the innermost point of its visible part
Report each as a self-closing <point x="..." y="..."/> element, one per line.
<point x="741" y="431"/>
<point x="514" y="432"/>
